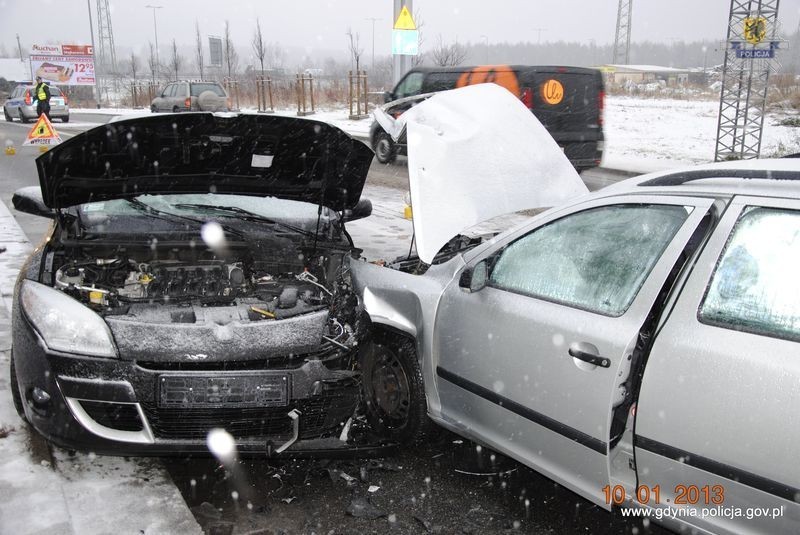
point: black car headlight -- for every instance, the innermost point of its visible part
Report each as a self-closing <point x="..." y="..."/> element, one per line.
<point x="65" y="324"/>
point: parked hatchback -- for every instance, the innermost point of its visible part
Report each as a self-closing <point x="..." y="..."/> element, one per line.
<point x="191" y="96"/>
<point x="21" y="104"/>
<point x="638" y="345"/>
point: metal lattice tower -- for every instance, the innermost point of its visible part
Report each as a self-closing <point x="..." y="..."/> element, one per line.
<point x="745" y="79"/>
<point x="622" y="38"/>
<point x="106" y="52"/>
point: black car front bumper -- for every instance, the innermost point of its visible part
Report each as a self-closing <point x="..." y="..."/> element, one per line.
<point x="113" y="406"/>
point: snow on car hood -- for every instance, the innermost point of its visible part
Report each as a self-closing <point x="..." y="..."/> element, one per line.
<point x="475" y="153"/>
<point x="261" y="155"/>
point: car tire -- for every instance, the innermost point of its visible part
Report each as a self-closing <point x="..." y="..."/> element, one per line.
<point x="7" y="115"/>
<point x="65" y="119"/>
<point x="175" y="109"/>
<point x="22" y="117"/>
<point x="15" y="393"/>
<point x="385" y="148"/>
<point x="153" y="108"/>
<point x="394" y="393"/>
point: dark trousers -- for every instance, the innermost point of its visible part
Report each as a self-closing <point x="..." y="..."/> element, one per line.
<point x="42" y="106"/>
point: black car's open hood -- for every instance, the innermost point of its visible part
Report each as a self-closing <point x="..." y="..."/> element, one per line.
<point x="258" y="155"/>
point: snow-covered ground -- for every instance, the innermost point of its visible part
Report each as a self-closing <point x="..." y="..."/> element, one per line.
<point x="654" y="134"/>
<point x="642" y="134"/>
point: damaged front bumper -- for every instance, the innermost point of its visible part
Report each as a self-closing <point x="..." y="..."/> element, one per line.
<point x="113" y="406"/>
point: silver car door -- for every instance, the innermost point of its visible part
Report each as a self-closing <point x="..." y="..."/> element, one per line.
<point x="717" y="421"/>
<point x="532" y="363"/>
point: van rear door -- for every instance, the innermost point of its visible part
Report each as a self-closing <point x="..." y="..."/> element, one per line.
<point x="568" y="101"/>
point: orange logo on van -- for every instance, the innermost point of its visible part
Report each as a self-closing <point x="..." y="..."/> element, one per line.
<point x="502" y="75"/>
<point x="552" y="91"/>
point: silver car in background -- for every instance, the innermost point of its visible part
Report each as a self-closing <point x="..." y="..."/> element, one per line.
<point x="191" y="96"/>
<point x="638" y="345"/>
<point x="21" y="104"/>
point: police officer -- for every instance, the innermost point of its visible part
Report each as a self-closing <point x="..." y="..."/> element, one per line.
<point x="42" y="92"/>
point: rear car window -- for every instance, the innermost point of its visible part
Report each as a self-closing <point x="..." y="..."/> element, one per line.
<point x="595" y="260"/>
<point x="440" y="81"/>
<point x="755" y="287"/>
<point x="198" y="89"/>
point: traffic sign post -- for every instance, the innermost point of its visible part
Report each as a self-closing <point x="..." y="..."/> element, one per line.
<point x="405" y="38"/>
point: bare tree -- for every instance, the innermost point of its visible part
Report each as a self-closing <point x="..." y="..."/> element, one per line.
<point x="448" y="55"/>
<point x="175" y="60"/>
<point x="198" y="51"/>
<point x="354" y="45"/>
<point x="419" y="59"/>
<point x="259" y="46"/>
<point x="276" y="56"/>
<point x="229" y="51"/>
<point x="133" y="63"/>
<point x="152" y="62"/>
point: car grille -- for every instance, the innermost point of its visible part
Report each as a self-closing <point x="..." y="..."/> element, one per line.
<point x="120" y="416"/>
<point x="319" y="415"/>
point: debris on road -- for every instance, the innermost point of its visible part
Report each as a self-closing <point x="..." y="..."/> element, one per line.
<point x="361" y="508"/>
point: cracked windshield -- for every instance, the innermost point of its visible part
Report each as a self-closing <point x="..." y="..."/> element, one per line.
<point x="399" y="266"/>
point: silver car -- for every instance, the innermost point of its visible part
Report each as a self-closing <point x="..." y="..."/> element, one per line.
<point x="21" y="104"/>
<point x="191" y="96"/>
<point x="638" y="345"/>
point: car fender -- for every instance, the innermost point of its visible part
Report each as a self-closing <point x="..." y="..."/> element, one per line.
<point x="407" y="304"/>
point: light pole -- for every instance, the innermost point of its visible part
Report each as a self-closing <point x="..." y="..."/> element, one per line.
<point x="486" y="41"/>
<point x="91" y="34"/>
<point x="155" y="27"/>
<point x="373" y="19"/>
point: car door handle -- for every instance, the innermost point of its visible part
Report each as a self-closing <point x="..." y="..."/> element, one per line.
<point x="588" y="353"/>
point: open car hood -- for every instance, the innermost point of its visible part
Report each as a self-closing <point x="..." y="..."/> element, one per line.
<point x="258" y="155"/>
<point x="473" y="154"/>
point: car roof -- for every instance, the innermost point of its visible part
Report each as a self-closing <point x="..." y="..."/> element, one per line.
<point x="778" y="177"/>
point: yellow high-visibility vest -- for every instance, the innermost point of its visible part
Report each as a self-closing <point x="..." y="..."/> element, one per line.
<point x="40" y="94"/>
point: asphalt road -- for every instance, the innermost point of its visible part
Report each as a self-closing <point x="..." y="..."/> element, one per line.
<point x="429" y="489"/>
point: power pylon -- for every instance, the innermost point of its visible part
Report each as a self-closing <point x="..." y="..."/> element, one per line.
<point x="106" y="52"/>
<point x="749" y="58"/>
<point x="622" y="38"/>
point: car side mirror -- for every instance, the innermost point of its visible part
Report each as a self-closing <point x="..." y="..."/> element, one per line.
<point x="387" y="96"/>
<point x="361" y="210"/>
<point x="29" y="200"/>
<point x="475" y="278"/>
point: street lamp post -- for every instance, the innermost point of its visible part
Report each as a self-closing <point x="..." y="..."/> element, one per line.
<point x="486" y="41"/>
<point x="91" y="34"/>
<point x="155" y="27"/>
<point x="373" y="19"/>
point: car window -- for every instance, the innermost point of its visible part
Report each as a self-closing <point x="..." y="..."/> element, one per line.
<point x="55" y="92"/>
<point x="168" y="90"/>
<point x="595" y="260"/>
<point x="197" y="89"/>
<point x="441" y="81"/>
<point x="411" y="85"/>
<point x="755" y="287"/>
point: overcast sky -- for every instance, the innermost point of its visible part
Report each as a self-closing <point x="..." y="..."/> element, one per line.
<point x="320" y="25"/>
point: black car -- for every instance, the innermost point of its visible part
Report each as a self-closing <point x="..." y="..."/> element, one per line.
<point x="568" y="101"/>
<point x="195" y="278"/>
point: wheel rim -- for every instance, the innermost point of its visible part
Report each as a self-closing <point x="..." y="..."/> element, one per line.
<point x="383" y="149"/>
<point x="390" y="389"/>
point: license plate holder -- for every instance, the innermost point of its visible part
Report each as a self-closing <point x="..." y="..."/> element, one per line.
<point x="223" y="391"/>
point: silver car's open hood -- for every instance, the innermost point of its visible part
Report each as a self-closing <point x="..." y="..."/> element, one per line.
<point x="246" y="154"/>
<point x="475" y="153"/>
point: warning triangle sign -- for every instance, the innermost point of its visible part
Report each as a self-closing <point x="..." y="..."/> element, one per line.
<point x="404" y="20"/>
<point x="42" y="133"/>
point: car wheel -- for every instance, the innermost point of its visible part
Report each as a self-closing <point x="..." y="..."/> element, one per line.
<point x="385" y="148"/>
<point x="394" y="394"/>
<point x="175" y="109"/>
<point x="65" y="119"/>
<point x="7" y="115"/>
<point x="22" y="117"/>
<point x="15" y="393"/>
<point x="153" y="108"/>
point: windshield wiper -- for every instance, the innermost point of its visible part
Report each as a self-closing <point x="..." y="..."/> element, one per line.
<point x="169" y="216"/>
<point x="247" y="215"/>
